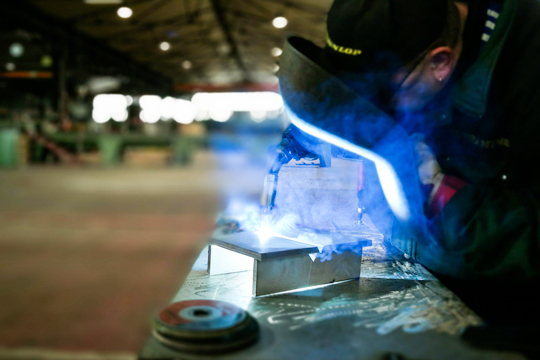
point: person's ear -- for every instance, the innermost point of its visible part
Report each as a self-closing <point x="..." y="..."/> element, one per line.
<point x="442" y="63"/>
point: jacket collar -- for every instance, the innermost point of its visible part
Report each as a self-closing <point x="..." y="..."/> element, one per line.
<point x="471" y="91"/>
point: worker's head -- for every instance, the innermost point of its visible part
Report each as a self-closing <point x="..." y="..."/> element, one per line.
<point x="416" y="43"/>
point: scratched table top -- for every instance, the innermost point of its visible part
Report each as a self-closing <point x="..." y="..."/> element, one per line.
<point x="395" y="307"/>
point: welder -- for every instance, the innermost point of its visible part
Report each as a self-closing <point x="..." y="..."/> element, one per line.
<point x="453" y="90"/>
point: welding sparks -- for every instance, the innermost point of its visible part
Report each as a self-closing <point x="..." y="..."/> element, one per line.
<point x="265" y="232"/>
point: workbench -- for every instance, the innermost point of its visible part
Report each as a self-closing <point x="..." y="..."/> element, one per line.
<point x="396" y="307"/>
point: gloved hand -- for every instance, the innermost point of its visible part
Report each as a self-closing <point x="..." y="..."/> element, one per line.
<point x="428" y="167"/>
<point x="438" y="187"/>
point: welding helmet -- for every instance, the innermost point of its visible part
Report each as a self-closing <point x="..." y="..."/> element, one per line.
<point x="332" y="93"/>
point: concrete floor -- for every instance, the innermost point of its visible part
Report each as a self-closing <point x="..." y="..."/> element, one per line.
<point x="87" y="255"/>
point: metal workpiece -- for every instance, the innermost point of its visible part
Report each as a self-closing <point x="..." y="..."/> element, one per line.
<point x="394" y="308"/>
<point x="296" y="272"/>
<point x="281" y="264"/>
<point x="249" y="243"/>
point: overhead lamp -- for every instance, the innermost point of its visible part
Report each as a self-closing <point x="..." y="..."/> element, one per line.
<point x="46" y="61"/>
<point x="276" y="51"/>
<point x="10" y="66"/>
<point x="275" y="68"/>
<point x="186" y="64"/>
<point x="16" y="50"/>
<point x="124" y="12"/>
<point x="164" y="46"/>
<point x="279" y="22"/>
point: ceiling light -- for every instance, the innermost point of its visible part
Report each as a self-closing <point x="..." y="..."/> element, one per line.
<point x="279" y="22"/>
<point x="46" y="61"/>
<point x="125" y="12"/>
<point x="103" y="2"/>
<point x="186" y="64"/>
<point x="275" y="67"/>
<point x="164" y="46"/>
<point x="16" y="50"/>
<point x="10" y="66"/>
<point x="276" y="51"/>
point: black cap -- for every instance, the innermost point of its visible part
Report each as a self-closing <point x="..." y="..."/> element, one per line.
<point x="371" y="35"/>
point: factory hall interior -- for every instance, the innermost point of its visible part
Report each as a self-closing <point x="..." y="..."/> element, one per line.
<point x="269" y="179"/>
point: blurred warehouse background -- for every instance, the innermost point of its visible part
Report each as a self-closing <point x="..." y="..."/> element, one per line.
<point x="125" y="127"/>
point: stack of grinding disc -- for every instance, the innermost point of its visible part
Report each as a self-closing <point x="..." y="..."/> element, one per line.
<point x="205" y="326"/>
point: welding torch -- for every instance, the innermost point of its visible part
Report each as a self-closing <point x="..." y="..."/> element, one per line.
<point x="270" y="187"/>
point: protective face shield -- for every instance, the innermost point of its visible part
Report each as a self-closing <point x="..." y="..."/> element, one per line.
<point x="325" y="107"/>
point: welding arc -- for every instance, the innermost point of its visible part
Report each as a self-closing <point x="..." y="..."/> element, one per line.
<point x="205" y="326"/>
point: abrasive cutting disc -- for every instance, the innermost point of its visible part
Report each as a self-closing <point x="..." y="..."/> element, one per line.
<point x="205" y="326"/>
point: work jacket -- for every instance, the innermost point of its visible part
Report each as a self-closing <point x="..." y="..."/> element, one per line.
<point x="486" y="133"/>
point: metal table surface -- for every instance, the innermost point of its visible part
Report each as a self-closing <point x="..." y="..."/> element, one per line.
<point x="395" y="307"/>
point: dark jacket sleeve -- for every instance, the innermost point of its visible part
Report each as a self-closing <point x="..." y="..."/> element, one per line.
<point x="491" y="228"/>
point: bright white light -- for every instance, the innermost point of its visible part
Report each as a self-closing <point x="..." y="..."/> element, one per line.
<point x="124" y="12"/>
<point x="202" y="115"/>
<point x="220" y="115"/>
<point x="150" y="116"/>
<point x="150" y="101"/>
<point x="129" y="100"/>
<point x="107" y="106"/>
<point x="390" y="183"/>
<point x="184" y="111"/>
<point x="120" y="116"/>
<point x="276" y="51"/>
<point x="16" y="50"/>
<point x="265" y="232"/>
<point x="279" y="22"/>
<point x="186" y="64"/>
<point x="10" y="66"/>
<point x="164" y="46"/>
<point x="275" y="68"/>
<point x="257" y="115"/>
<point x="112" y="101"/>
<point x="151" y="108"/>
<point x="240" y="101"/>
<point x="100" y="115"/>
<point x="167" y="108"/>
